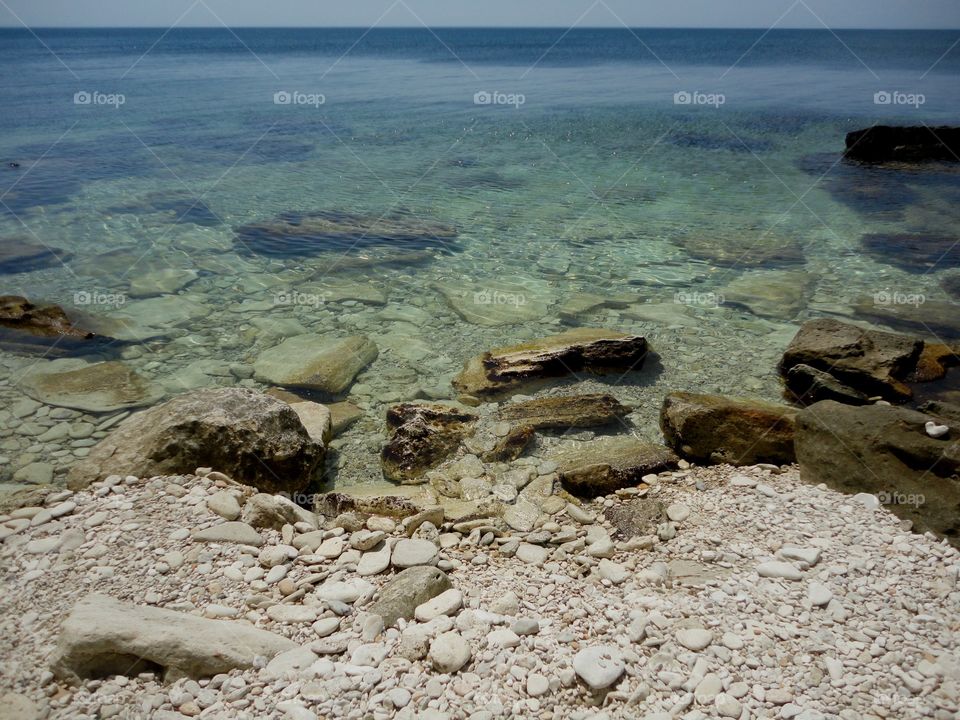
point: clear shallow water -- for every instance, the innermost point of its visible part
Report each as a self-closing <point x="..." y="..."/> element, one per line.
<point x="599" y="183"/>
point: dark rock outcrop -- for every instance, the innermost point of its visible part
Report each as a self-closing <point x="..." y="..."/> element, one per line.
<point x="870" y="362"/>
<point x="885" y="450"/>
<point x="587" y="350"/>
<point x="885" y="143"/>
<point x="422" y="435"/>
<point x="254" y="438"/>
<point x="734" y="430"/>
<point x="44" y="329"/>
<point x="604" y="465"/>
<point x="565" y="411"/>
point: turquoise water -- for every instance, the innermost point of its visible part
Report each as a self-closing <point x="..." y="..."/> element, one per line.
<point x="582" y="176"/>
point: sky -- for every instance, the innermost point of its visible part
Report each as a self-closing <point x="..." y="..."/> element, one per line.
<point x="485" y="13"/>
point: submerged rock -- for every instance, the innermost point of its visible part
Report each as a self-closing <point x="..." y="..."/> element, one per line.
<point x="92" y="387"/>
<point x="745" y="248"/>
<point x="720" y="429"/>
<point x="103" y="636"/>
<point x="504" y="301"/>
<point x="885" y="143"/>
<point x="44" y="330"/>
<point x="251" y="437"/>
<point x="565" y="411"/>
<point x="886" y="451"/>
<point x="872" y="362"/>
<point x="298" y="234"/>
<point x="315" y="362"/>
<point x="165" y="281"/>
<point x="18" y="256"/>
<point x="913" y="252"/>
<point x="587" y="350"/>
<point x="926" y="318"/>
<point x="604" y="465"/>
<point x="778" y="294"/>
<point x="950" y="282"/>
<point x="421" y="437"/>
<point x="512" y="445"/>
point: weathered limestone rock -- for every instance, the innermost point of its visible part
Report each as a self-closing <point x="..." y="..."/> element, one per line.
<point x="422" y="436"/>
<point x="604" y="465"/>
<point x="565" y="411"/>
<point x="315" y="362"/>
<point x="103" y="636"/>
<point x="720" y="429"/>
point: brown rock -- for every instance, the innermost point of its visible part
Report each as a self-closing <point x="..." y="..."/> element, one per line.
<point x="587" y="350"/>
<point x="604" y="465"/>
<point x="720" y="429"/>
<point x="511" y="445"/>
<point x="423" y="435"/>
<point x="43" y="329"/>
<point x="565" y="411"/>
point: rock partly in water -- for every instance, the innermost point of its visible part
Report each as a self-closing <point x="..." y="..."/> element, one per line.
<point x="586" y="350"/>
<point x="872" y="362"/>
<point x="607" y="464"/>
<point x="315" y="362"/>
<point x="512" y="445"/>
<point x="92" y="387"/>
<point x="808" y="385"/>
<point x="422" y="435"/>
<point x="721" y="429"/>
<point x="565" y="411"/>
<point x="103" y="636"/>
<point x="885" y="143"/>
<point x="885" y="451"/>
<point x="295" y="234"/>
<point x="26" y="328"/>
<point x="251" y="437"/>
<point x="409" y="589"/>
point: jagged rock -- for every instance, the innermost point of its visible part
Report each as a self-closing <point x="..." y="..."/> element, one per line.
<point x="333" y="504"/>
<point x="565" y="411"/>
<point x="588" y="350"/>
<point x="636" y="518"/>
<point x="315" y="362"/>
<point x="103" y="637"/>
<point x="401" y="596"/>
<point x="885" y="143"/>
<point x="886" y="451"/>
<point x="255" y="439"/>
<point x="511" y="445"/>
<point x="869" y="361"/>
<point x="422" y="435"/>
<point x="606" y="464"/>
<point x="92" y="387"/>
<point x="808" y="385"/>
<point x="299" y="234"/>
<point x="44" y="329"/>
<point x="18" y="256"/>
<point x="720" y="429"/>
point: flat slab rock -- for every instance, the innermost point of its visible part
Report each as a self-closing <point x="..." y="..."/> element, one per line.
<point x="103" y="636"/>
<point x="606" y="464"/>
<point x="721" y="429"/>
<point x="91" y="387"/>
<point x="588" y="350"/>
<point x="565" y="411"/>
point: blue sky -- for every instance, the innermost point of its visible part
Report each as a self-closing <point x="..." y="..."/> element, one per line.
<point x="552" y="13"/>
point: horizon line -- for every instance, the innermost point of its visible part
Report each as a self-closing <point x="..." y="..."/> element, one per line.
<point x="470" y="27"/>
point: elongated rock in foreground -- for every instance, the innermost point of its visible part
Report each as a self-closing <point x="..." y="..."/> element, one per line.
<point x="586" y="350"/>
<point x="565" y="411"/>
<point x="103" y="636"/>
<point x="720" y="429"/>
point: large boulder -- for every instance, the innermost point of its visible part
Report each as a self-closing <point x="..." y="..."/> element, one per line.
<point x="91" y="387"/>
<point x="315" y="362"/>
<point x="254" y="438"/>
<point x="587" y="350"/>
<point x="103" y="636"/>
<point x="884" y="143"/>
<point x="422" y="435"/>
<point x="565" y="411"/>
<point x="872" y="362"/>
<point x="886" y="450"/>
<point x="604" y="465"/>
<point x="733" y="430"/>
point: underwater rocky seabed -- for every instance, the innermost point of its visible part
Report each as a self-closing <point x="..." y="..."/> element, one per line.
<point x="503" y="243"/>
